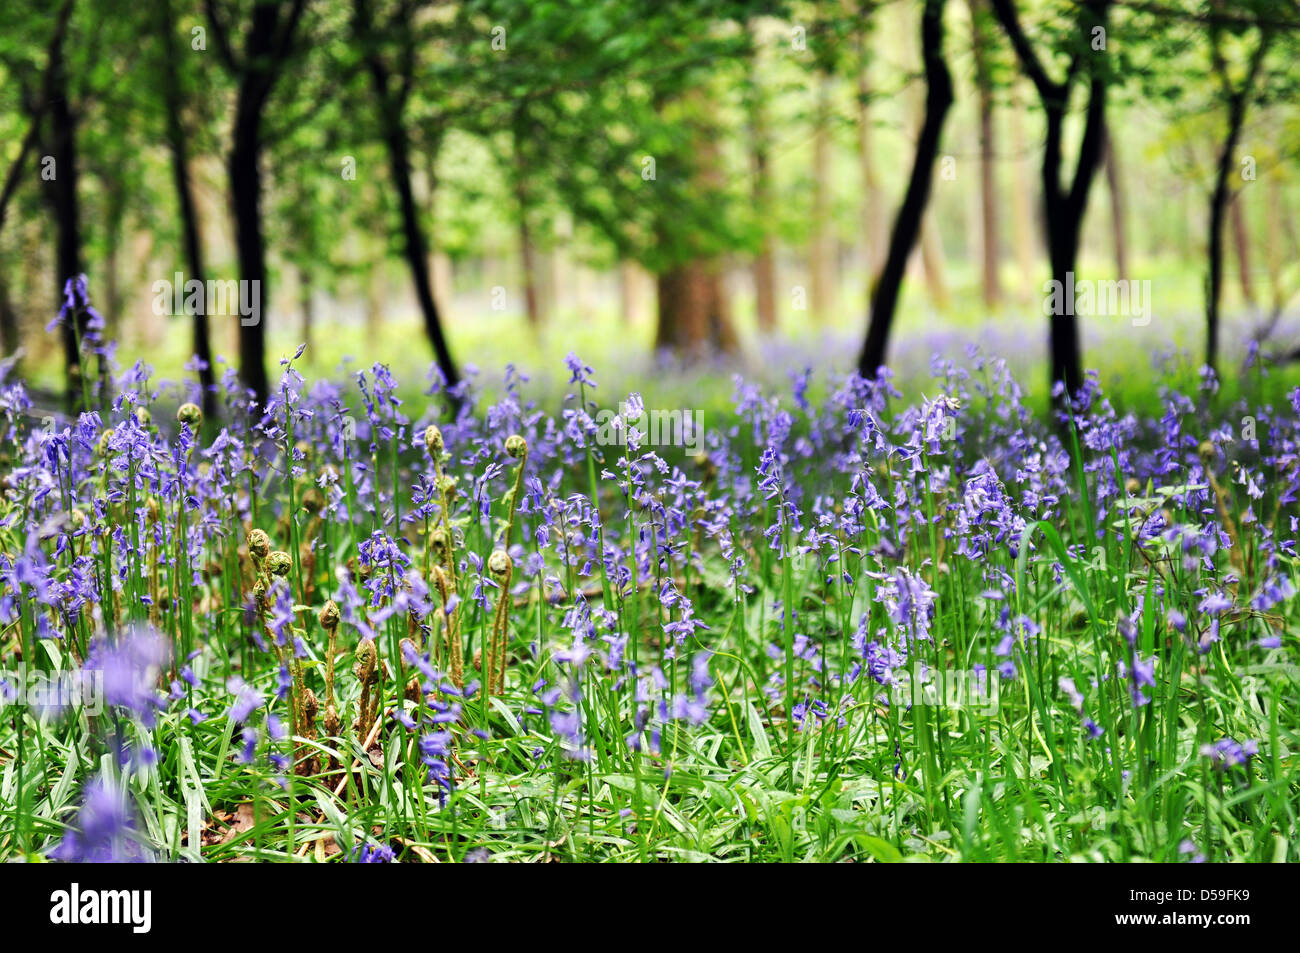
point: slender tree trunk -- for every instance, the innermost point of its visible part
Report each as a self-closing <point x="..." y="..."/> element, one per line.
<point x="374" y="301"/>
<point x="173" y="96"/>
<point x="398" y="145"/>
<point x="1238" y="100"/>
<point x="1064" y="208"/>
<point x="933" y="261"/>
<point x="527" y="251"/>
<point x="1118" y="208"/>
<point x="764" y="269"/>
<point x="1241" y="239"/>
<point x="528" y="265"/>
<point x="61" y="194"/>
<point x="907" y="224"/>
<point x="872" y="212"/>
<point x="307" y="306"/>
<point x="1063" y="230"/>
<point x="10" y="338"/>
<point x="822" y="250"/>
<point x="1273" y="230"/>
<point x="1022" y="216"/>
<point x="246" y="200"/>
<point x="1218" y="205"/>
<point x="988" y="169"/>
<point x="268" y="42"/>
<point x="417" y="249"/>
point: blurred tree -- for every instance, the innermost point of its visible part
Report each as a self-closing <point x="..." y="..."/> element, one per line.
<point x="1083" y="44"/>
<point x="981" y="27"/>
<point x="1236" y="94"/>
<point x="174" y="89"/>
<point x="907" y="223"/>
<point x="757" y="106"/>
<point x="393" y="81"/>
<point x="268" y="41"/>
<point x="14" y="56"/>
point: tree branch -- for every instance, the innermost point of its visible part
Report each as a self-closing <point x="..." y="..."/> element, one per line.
<point x="1048" y="89"/>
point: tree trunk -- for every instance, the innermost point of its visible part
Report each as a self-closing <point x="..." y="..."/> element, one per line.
<point x="307" y="306"/>
<point x="523" y="128"/>
<point x="246" y="200"/>
<point x="9" y="336"/>
<point x="190" y="233"/>
<point x="9" y="323"/>
<point x="1064" y="209"/>
<point x="873" y="232"/>
<point x="764" y="269"/>
<point x="1021" y="215"/>
<point x="933" y="261"/>
<point x="694" y="312"/>
<point x="822" y="249"/>
<point x="61" y="193"/>
<point x="988" y="171"/>
<point x="1118" y="209"/>
<point x="528" y="265"/>
<point x="1237" y="101"/>
<point x="417" y="248"/>
<point x="907" y="225"/>
<point x="1273" y="230"/>
<point x="268" y="42"/>
<point x="1063" y="228"/>
<point x="1218" y="206"/>
<point x="1241" y="239"/>
<point x="397" y="142"/>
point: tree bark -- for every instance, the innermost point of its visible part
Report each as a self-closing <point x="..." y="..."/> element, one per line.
<point x="527" y="250"/>
<point x="61" y="194"/>
<point x="873" y="232"/>
<point x="307" y="306"/>
<point x="1064" y="209"/>
<point x="933" y="262"/>
<point x="1021" y="216"/>
<point x="173" y="96"/>
<point x="9" y="323"/>
<point x="822" y="250"/>
<point x="907" y="224"/>
<point x="988" y="172"/>
<point x="397" y="142"/>
<point x="764" y="268"/>
<point x="9" y="336"/>
<point x="246" y="201"/>
<point x="267" y="44"/>
<point x="694" y="311"/>
<point x="417" y="248"/>
<point x="1237" y="100"/>
<point x="1241" y="239"/>
<point x="1118" y="208"/>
